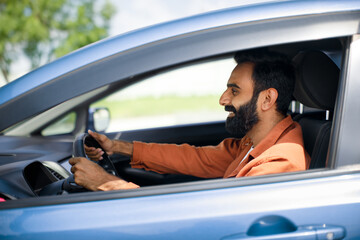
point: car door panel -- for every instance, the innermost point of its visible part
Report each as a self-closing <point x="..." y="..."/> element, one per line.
<point x="195" y="134"/>
<point x="209" y="214"/>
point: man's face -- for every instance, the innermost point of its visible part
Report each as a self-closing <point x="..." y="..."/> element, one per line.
<point x="238" y="99"/>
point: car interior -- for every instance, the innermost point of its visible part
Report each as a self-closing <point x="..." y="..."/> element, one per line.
<point x="317" y="77"/>
<point x="316" y="87"/>
<point x="318" y="68"/>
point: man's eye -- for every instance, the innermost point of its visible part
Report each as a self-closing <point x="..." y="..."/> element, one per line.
<point x="234" y="91"/>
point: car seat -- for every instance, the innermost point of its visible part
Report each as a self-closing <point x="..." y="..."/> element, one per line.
<point x="317" y="78"/>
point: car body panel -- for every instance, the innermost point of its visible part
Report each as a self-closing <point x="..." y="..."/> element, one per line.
<point x="347" y="111"/>
<point x="211" y="214"/>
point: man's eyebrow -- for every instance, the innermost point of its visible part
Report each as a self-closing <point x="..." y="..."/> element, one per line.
<point x="232" y="85"/>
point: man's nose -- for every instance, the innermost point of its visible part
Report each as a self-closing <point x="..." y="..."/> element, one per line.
<point x="225" y="99"/>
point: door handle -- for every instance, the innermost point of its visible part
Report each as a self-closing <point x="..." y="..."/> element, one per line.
<point x="280" y="228"/>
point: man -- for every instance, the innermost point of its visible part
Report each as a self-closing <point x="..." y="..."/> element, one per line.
<point x="257" y="97"/>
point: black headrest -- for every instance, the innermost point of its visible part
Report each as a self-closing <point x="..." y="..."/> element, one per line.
<point x="317" y="78"/>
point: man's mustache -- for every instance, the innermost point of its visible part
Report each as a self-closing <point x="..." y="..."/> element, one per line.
<point x="230" y="108"/>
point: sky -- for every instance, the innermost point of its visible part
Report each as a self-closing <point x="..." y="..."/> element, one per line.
<point x="135" y="14"/>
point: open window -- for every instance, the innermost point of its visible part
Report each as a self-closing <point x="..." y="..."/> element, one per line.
<point x="318" y="67"/>
<point x="181" y="96"/>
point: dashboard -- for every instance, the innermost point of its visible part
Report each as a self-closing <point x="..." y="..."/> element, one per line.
<point x="39" y="175"/>
<point x="28" y="166"/>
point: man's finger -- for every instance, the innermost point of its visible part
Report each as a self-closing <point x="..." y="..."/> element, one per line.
<point x="75" y="160"/>
<point x="93" y="151"/>
<point x="95" y="154"/>
<point x="95" y="135"/>
<point x="89" y="148"/>
<point x="96" y="157"/>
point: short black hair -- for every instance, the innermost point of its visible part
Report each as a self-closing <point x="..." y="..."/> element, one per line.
<point x="271" y="70"/>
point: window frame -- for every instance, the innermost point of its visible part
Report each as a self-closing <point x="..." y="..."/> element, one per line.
<point x="344" y="152"/>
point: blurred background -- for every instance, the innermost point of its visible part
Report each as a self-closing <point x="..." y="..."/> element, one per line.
<point x="35" y="32"/>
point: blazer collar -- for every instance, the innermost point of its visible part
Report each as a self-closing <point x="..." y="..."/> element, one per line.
<point x="272" y="137"/>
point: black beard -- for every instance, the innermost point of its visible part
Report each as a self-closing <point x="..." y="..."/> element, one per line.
<point x="244" y="120"/>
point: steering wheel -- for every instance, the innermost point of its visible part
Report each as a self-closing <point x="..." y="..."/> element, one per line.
<point x="88" y="140"/>
<point x="69" y="184"/>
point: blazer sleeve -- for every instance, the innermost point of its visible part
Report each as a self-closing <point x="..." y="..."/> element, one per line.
<point x="205" y="162"/>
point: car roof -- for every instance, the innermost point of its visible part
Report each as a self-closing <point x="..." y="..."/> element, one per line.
<point x="106" y="48"/>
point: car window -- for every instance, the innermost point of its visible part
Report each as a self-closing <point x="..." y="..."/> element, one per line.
<point x="182" y="96"/>
<point x="63" y="126"/>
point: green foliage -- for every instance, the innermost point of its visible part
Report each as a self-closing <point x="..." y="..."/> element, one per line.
<point x="149" y="105"/>
<point x="46" y="29"/>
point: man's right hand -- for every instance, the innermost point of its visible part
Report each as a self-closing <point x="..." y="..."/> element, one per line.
<point x="93" y="177"/>
<point x="95" y="154"/>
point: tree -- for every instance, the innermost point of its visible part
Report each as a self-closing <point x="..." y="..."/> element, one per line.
<point x="43" y="30"/>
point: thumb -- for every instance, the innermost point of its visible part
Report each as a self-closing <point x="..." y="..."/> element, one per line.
<point x="99" y="137"/>
<point x="93" y="134"/>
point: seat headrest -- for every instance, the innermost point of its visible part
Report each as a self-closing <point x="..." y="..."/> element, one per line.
<point x="317" y="78"/>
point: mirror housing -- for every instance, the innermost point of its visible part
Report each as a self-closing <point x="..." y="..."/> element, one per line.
<point x="98" y="119"/>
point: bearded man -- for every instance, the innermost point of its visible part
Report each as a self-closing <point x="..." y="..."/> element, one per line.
<point x="267" y="141"/>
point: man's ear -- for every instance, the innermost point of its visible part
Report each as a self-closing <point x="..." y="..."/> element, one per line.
<point x="269" y="97"/>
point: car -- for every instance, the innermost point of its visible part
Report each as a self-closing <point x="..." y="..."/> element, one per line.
<point x="44" y="112"/>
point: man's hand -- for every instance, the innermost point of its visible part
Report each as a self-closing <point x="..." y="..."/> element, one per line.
<point x="93" y="177"/>
<point x="89" y="174"/>
<point x="110" y="146"/>
<point x="95" y="154"/>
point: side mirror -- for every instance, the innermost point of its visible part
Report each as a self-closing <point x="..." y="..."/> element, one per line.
<point x="99" y="119"/>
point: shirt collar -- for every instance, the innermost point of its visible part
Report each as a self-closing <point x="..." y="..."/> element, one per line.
<point x="245" y="141"/>
<point x="272" y="136"/>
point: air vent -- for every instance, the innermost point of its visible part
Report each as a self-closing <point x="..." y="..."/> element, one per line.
<point x="56" y="170"/>
<point x="55" y="174"/>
